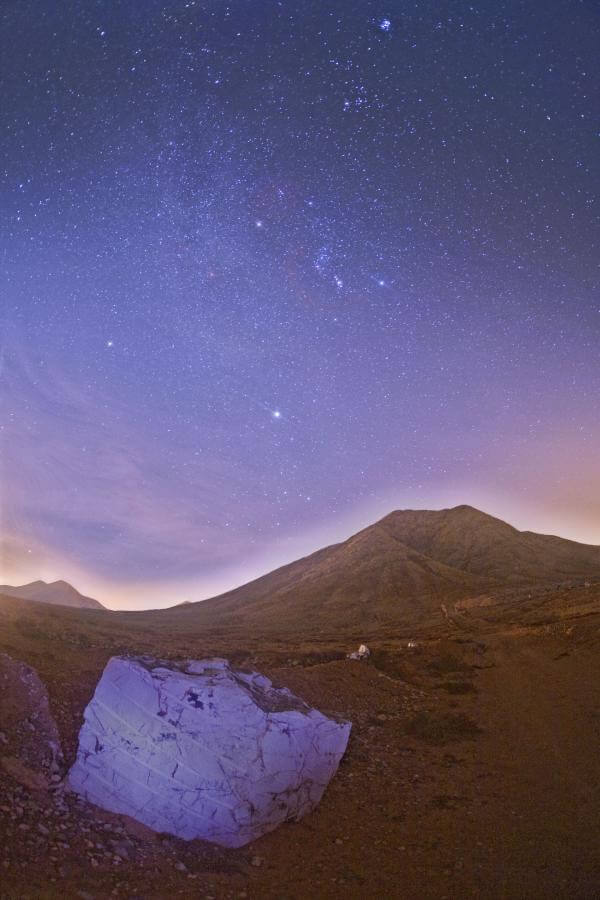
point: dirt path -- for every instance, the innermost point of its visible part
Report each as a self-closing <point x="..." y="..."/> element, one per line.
<point x="470" y="773"/>
<point x="541" y="714"/>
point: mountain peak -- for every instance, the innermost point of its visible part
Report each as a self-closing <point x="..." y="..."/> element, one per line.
<point x="401" y="568"/>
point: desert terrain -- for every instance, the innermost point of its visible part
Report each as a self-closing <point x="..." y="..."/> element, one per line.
<point x="472" y="768"/>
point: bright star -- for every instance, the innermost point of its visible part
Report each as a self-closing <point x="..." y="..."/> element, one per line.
<point x="276" y="414"/>
<point x="110" y="343"/>
<point x="259" y="224"/>
<point x="385" y="24"/>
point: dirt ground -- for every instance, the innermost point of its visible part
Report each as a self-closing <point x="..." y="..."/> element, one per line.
<point x="472" y="769"/>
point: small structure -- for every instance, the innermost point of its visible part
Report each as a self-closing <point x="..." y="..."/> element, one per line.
<point x="363" y="653"/>
<point x="412" y="644"/>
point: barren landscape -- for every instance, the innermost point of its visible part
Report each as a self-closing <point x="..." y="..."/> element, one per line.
<point x="472" y="767"/>
<point x="291" y="292"/>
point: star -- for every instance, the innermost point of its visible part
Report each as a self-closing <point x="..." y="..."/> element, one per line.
<point x="366" y="157"/>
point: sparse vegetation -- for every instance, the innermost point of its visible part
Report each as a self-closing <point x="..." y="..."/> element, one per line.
<point x="447" y="664"/>
<point x="440" y="728"/>
<point x="457" y="687"/>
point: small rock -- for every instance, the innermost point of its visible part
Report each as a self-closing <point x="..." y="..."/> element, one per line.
<point x="181" y="867"/>
<point x="42" y="829"/>
<point x="84" y="895"/>
<point x="256" y="861"/>
<point x="121" y="850"/>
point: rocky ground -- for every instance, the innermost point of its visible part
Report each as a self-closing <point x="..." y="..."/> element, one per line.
<point x="472" y="768"/>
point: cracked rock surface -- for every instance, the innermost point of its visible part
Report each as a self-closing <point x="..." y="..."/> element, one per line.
<point x="200" y="750"/>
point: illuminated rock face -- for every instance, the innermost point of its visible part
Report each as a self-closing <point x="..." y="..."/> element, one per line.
<point x="200" y="750"/>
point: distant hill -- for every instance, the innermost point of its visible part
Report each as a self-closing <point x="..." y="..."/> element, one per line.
<point x="57" y="593"/>
<point x="399" y="569"/>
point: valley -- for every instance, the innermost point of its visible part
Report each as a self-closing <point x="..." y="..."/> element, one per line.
<point x="472" y="767"/>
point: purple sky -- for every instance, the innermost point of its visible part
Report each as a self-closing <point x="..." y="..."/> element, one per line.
<point x="272" y="270"/>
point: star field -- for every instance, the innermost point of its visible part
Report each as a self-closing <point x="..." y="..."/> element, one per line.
<point x="271" y="270"/>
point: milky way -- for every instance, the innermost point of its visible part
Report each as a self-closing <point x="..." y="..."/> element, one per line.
<point x="272" y="269"/>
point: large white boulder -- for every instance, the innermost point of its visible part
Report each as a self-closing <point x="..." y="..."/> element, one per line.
<point x="200" y="750"/>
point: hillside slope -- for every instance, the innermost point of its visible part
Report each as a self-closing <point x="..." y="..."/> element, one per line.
<point x="401" y="569"/>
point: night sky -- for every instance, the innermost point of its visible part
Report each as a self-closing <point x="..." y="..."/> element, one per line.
<point x="273" y="269"/>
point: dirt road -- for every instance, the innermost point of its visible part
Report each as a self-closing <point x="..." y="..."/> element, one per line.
<point x="539" y="706"/>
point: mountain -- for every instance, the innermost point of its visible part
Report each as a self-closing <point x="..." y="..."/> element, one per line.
<point x="57" y="593"/>
<point x="402" y="568"/>
<point x="479" y="544"/>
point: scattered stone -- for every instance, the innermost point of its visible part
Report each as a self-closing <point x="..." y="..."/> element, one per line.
<point x="363" y="653"/>
<point x="121" y="850"/>
<point x="181" y="867"/>
<point x="25" y="775"/>
<point x="257" y="861"/>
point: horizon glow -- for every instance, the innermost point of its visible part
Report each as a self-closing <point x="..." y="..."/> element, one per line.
<point x="270" y="273"/>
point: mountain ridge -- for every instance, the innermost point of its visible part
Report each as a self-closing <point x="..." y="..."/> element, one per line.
<point x="54" y="593"/>
<point x="402" y="567"/>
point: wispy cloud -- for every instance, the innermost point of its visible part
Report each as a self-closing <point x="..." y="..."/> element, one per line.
<point x="81" y="477"/>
